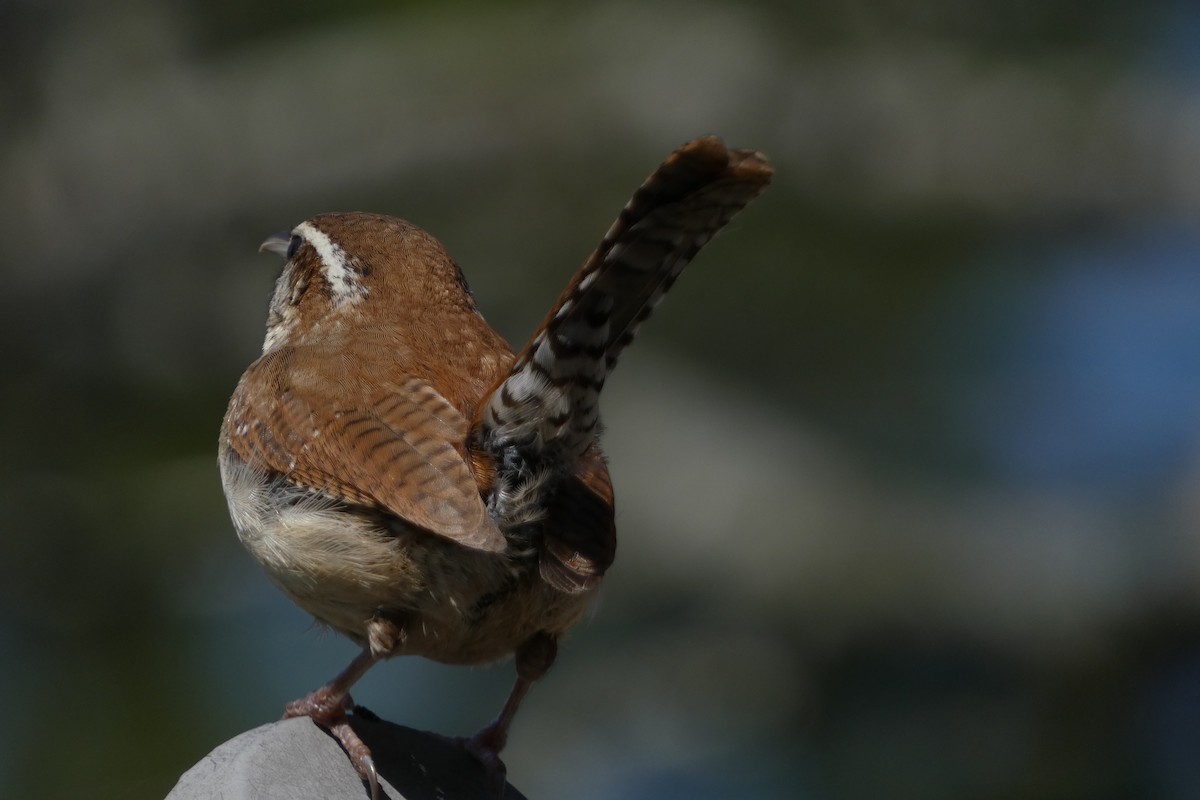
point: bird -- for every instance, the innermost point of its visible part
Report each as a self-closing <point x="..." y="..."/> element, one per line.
<point x="409" y="480"/>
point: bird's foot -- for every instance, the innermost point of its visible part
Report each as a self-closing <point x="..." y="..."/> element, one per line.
<point x="329" y="709"/>
<point x="485" y="747"/>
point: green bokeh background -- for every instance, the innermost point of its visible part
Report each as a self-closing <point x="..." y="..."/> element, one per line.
<point x="906" y="465"/>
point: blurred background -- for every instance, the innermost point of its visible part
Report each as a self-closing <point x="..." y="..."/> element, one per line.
<point x="907" y="466"/>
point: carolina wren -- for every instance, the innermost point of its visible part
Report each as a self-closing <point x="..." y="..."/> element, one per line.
<point x="410" y="482"/>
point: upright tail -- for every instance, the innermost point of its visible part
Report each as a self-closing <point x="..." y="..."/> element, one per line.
<point x="547" y="407"/>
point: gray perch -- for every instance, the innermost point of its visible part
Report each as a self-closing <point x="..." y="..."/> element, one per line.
<point x="293" y="759"/>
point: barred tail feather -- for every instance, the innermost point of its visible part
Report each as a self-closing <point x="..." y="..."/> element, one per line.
<point x="549" y="400"/>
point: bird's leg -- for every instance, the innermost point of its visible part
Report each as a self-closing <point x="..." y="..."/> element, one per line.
<point x="533" y="658"/>
<point x="328" y="707"/>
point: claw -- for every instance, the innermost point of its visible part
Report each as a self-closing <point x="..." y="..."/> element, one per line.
<point x="362" y="761"/>
<point x="372" y="777"/>
<point x="328" y="709"/>
<point x="360" y="754"/>
<point x="483" y="747"/>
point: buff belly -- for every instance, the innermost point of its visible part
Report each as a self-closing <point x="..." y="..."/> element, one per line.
<point x="399" y="590"/>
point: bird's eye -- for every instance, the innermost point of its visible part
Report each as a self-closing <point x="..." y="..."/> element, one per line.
<point x="293" y="245"/>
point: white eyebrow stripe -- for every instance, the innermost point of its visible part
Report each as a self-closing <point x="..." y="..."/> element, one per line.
<point x="339" y="271"/>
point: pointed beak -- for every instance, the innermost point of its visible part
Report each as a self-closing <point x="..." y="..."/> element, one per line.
<point x="277" y="243"/>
